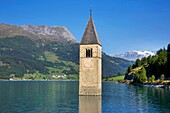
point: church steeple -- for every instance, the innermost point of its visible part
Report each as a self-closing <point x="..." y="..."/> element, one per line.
<point x="90" y="35"/>
<point x="90" y="70"/>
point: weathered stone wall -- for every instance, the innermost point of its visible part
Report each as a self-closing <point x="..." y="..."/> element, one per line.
<point x="90" y="71"/>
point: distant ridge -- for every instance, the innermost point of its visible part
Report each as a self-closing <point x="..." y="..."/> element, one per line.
<point x="134" y="55"/>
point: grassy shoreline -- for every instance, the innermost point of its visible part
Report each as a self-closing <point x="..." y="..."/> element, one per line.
<point x="156" y="83"/>
<point x="115" y="78"/>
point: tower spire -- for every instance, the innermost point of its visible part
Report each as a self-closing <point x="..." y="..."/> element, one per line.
<point x="90" y="9"/>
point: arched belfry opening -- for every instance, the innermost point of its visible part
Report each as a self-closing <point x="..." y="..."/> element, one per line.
<point x="89" y="52"/>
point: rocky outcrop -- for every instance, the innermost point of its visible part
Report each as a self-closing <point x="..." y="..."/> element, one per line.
<point x="44" y="33"/>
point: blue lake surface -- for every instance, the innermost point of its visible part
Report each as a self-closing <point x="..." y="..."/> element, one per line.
<point x="62" y="97"/>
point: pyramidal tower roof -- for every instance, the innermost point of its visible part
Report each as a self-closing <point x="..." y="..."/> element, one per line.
<point x="90" y="35"/>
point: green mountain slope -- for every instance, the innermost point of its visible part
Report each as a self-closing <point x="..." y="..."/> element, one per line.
<point x="27" y="53"/>
<point x="113" y="65"/>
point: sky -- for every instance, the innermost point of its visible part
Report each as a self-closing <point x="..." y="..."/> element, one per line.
<point x="122" y="25"/>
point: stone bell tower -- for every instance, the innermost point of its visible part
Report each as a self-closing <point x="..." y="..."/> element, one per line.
<point x="90" y="70"/>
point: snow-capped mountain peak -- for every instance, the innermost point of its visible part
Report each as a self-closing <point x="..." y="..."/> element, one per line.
<point x="134" y="55"/>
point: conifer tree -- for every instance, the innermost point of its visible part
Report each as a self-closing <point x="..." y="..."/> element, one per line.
<point x="168" y="51"/>
<point x="143" y="77"/>
<point x="168" y="61"/>
<point x="152" y="79"/>
<point x="138" y="63"/>
<point x="162" y="77"/>
<point x="136" y="78"/>
<point x="143" y="60"/>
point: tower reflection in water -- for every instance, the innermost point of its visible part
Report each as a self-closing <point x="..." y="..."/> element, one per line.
<point x="90" y="104"/>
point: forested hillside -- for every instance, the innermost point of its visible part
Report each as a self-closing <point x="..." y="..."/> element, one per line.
<point x="156" y="67"/>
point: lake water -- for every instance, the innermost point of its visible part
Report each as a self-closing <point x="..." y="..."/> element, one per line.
<point x="62" y="97"/>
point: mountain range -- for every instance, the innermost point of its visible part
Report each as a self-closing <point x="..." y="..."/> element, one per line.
<point x="50" y="50"/>
<point x="134" y="55"/>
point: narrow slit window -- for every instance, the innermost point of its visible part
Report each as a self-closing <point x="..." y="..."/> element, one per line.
<point x="89" y="53"/>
